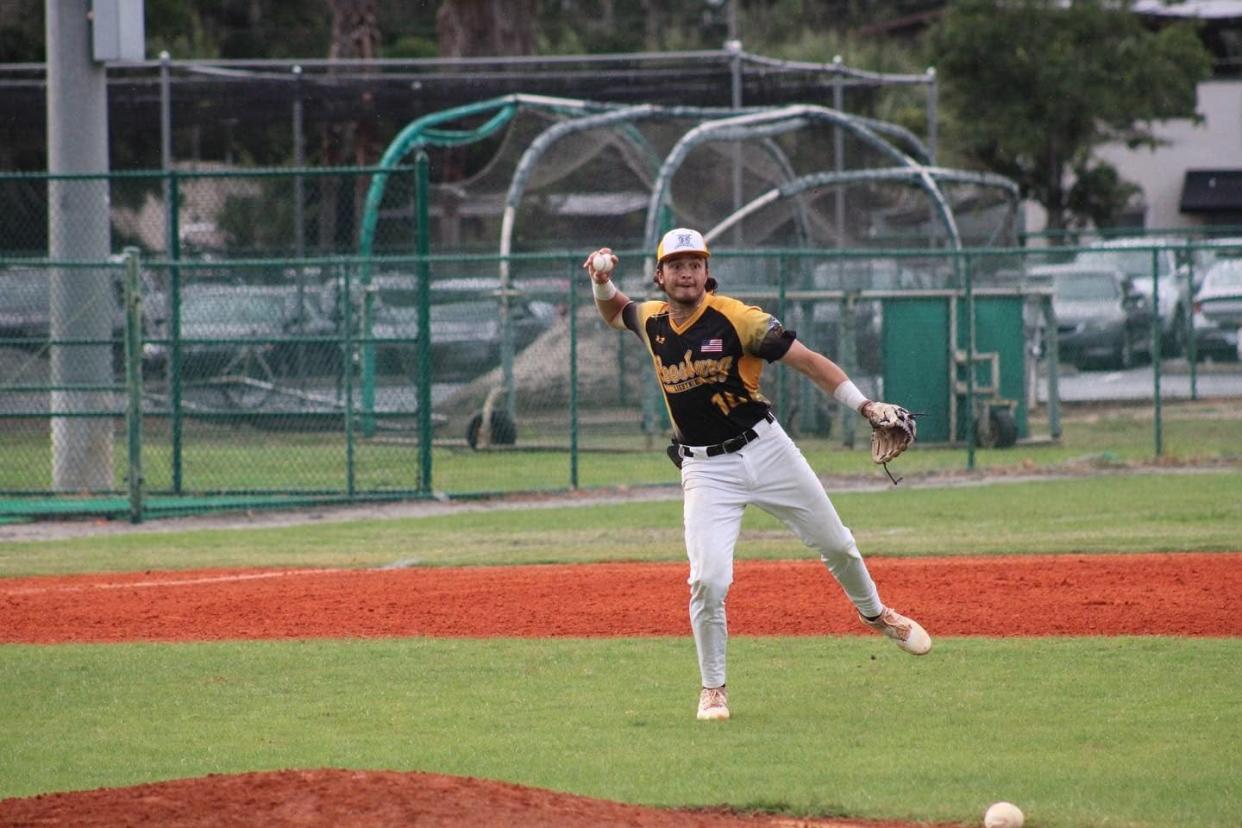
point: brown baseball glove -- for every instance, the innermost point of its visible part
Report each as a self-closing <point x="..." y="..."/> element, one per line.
<point x="893" y="430"/>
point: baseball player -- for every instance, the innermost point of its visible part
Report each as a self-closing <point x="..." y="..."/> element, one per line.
<point x="709" y="351"/>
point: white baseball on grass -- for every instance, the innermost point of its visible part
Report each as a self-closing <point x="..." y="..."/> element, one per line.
<point x="1003" y="815"/>
<point x="601" y="263"/>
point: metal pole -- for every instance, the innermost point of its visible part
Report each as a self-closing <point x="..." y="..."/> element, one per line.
<point x="734" y="47"/>
<point x="423" y="188"/>
<point x="574" y="424"/>
<point x="1155" y="348"/>
<point x="172" y="247"/>
<point x="932" y="133"/>
<point x="133" y="382"/>
<point x="838" y="154"/>
<point x="82" y="302"/>
<point x="347" y="306"/>
<point x="971" y="424"/>
<point x="299" y="161"/>
<point x="1188" y="324"/>
<point x="367" y="347"/>
<point x="299" y="231"/>
<point x="166" y="156"/>
<point x="174" y="329"/>
<point x="845" y="417"/>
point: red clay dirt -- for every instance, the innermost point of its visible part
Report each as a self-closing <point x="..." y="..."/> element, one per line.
<point x="343" y="798"/>
<point x="1183" y="594"/>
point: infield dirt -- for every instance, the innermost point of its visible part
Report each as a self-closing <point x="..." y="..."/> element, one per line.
<point x="1136" y="594"/>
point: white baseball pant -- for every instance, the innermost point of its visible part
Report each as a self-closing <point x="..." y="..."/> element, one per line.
<point x="771" y="473"/>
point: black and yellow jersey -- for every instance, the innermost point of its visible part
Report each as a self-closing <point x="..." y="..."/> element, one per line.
<point x="709" y="367"/>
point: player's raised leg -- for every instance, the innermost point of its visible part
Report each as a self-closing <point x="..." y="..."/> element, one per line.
<point x="906" y="633"/>
<point x="798" y="499"/>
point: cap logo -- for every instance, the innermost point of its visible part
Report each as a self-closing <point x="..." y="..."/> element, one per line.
<point x="681" y="240"/>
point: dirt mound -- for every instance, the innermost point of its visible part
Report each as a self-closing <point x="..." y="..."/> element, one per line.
<point x="366" y="798"/>
<point x="540" y="376"/>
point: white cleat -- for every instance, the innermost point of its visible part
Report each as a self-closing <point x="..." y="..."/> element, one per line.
<point x="906" y="633"/>
<point x="713" y="704"/>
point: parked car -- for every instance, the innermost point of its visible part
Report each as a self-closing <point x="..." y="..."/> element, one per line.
<point x="26" y="315"/>
<point x="1218" y="311"/>
<point x="1208" y="252"/>
<point x="1173" y="296"/>
<point x="1100" y="315"/>
<point x="247" y="339"/>
<point x="466" y="328"/>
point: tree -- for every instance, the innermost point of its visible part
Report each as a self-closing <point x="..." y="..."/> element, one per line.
<point x="355" y="36"/>
<point x="22" y="31"/>
<point x="1034" y="86"/>
<point x="234" y="28"/>
<point x="485" y="28"/>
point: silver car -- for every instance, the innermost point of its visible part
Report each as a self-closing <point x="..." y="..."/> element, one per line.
<point x="1172" y="296"/>
<point x="466" y="328"/>
<point x="1101" y="318"/>
<point x="26" y="314"/>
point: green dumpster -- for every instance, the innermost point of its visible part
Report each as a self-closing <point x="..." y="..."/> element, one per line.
<point x="922" y="372"/>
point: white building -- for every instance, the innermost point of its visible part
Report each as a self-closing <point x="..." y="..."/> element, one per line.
<point x="1196" y="178"/>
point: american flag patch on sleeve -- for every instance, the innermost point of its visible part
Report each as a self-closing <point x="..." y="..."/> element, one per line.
<point x="712" y="346"/>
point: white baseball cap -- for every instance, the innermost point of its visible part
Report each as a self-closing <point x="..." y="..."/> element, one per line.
<point x="681" y="240"/>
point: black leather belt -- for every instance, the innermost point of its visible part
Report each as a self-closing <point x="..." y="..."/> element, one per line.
<point x="728" y="446"/>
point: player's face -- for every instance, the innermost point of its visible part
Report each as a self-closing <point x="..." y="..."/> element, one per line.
<point x="684" y="278"/>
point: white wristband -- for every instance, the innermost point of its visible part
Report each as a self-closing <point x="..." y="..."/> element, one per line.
<point x="847" y="393"/>
<point x="603" y="292"/>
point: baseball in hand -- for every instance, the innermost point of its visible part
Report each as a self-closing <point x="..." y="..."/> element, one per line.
<point x="1003" y="815"/>
<point x="601" y="263"/>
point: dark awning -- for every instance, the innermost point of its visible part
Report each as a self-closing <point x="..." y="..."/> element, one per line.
<point x="1212" y="191"/>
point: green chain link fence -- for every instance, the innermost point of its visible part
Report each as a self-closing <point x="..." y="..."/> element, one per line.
<point x="289" y="372"/>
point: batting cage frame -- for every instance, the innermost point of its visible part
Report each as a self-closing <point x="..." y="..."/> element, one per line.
<point x="909" y="164"/>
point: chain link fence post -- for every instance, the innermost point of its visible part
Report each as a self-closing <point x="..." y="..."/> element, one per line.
<point x="1156" y="356"/>
<point x="572" y="306"/>
<point x="133" y="382"/>
<point x="972" y="419"/>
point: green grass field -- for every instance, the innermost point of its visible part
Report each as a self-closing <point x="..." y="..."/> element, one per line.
<point x="1082" y="732"/>
<point x="1112" y="513"/>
